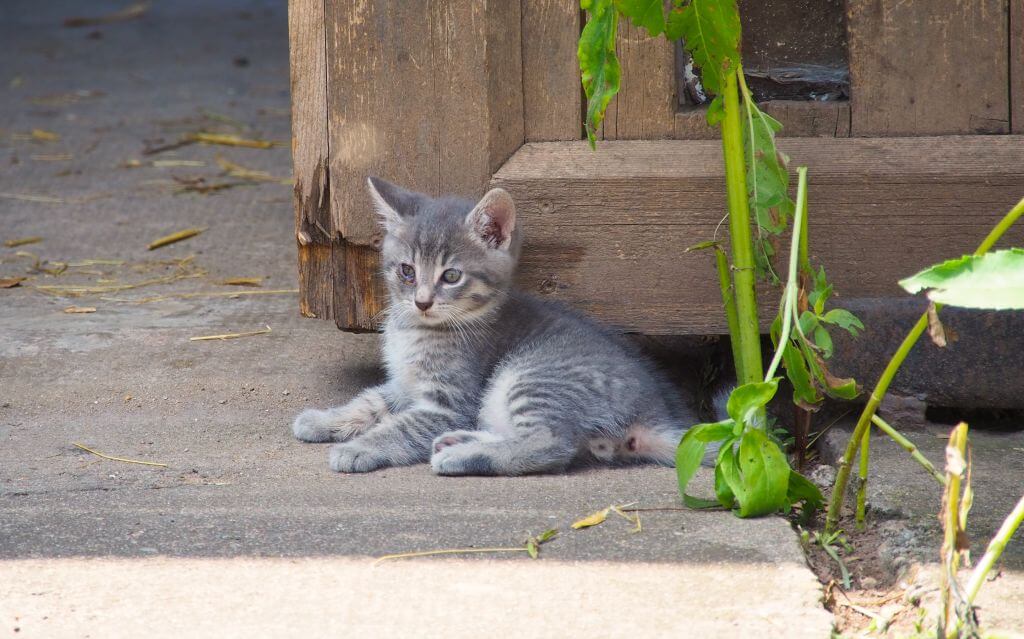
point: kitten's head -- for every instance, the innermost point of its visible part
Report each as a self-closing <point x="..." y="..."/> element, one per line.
<point x="446" y="260"/>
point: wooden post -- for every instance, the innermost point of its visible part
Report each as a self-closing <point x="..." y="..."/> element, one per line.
<point x="552" y="93"/>
<point x="928" y="68"/>
<point x="314" y="227"/>
<point x="426" y="94"/>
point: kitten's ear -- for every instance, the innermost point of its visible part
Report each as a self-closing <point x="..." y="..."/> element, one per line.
<point x="493" y="219"/>
<point x="393" y="203"/>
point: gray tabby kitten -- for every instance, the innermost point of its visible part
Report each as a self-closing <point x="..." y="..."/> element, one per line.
<point x="484" y="379"/>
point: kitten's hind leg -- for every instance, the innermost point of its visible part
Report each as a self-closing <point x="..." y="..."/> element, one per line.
<point x="343" y="422"/>
<point x="531" y="449"/>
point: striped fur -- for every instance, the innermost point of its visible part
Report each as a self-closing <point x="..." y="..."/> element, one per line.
<point x="489" y="380"/>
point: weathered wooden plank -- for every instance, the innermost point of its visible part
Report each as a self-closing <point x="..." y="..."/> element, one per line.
<point x="419" y="92"/>
<point x="605" y="231"/>
<point x="800" y="119"/>
<point x="644" y="108"/>
<point x="552" y="95"/>
<point x="427" y="94"/>
<point x="1017" y="65"/>
<point x="928" y="68"/>
<point x="504" y="73"/>
<point x="809" y="119"/>
<point x="314" y="227"/>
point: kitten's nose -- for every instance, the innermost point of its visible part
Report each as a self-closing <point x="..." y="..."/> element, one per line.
<point x="424" y="305"/>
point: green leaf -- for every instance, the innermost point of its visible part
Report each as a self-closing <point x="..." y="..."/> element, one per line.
<point x="805" y="394"/>
<point x="801" y="489"/>
<point x="698" y="503"/>
<point x="674" y="23"/>
<point x="823" y="340"/>
<point x="531" y="547"/>
<point x="547" y="535"/>
<point x="821" y="292"/>
<point x="644" y="13"/>
<point x="711" y="29"/>
<point x="691" y="449"/>
<point x="994" y="281"/>
<point x="765" y="474"/>
<point x="746" y="400"/>
<point x="731" y="479"/>
<point x="767" y="181"/>
<point x="722" y="490"/>
<point x="700" y="246"/>
<point x="716" y="431"/>
<point x="844" y="319"/>
<point x="808" y="322"/>
<point x="599" y="67"/>
<point x="716" y="111"/>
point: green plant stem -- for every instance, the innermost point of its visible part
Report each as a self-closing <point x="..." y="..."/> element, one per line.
<point x="995" y="549"/>
<point x="862" y="478"/>
<point x="908" y="446"/>
<point x="729" y="301"/>
<point x="791" y="289"/>
<point x="835" y="504"/>
<point x="749" y="334"/>
<point x="805" y="260"/>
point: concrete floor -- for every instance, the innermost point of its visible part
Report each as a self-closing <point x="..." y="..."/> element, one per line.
<point x="245" y="531"/>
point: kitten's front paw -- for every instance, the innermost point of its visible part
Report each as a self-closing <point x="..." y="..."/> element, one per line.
<point x="313" y="426"/>
<point x="352" y="457"/>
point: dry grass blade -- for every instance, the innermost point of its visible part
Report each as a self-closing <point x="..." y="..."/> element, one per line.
<point x="174" y="237"/>
<point x="80" y="309"/>
<point x="447" y="551"/>
<point x="239" y="171"/>
<point x="225" y="139"/>
<point x="22" y="241"/>
<point x="66" y="99"/>
<point x="131" y="12"/>
<point x="11" y="282"/>
<point x="29" y="197"/>
<point x="120" y="459"/>
<point x="242" y="281"/>
<point x="83" y="263"/>
<point x="200" y="185"/>
<point x="52" y="157"/>
<point x="162" y="164"/>
<point x="592" y="519"/>
<point x="75" y="290"/>
<point x="205" y="338"/>
<point x="185" y="296"/>
<point x="42" y="135"/>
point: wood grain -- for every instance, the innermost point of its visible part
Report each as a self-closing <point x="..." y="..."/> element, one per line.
<point x="314" y="227"/>
<point x="1017" y="65"/>
<point x="605" y="231"/>
<point x="426" y="94"/>
<point x="800" y="119"/>
<point x="644" y="108"/>
<point x="928" y="68"/>
<point x="419" y="93"/>
<point x="552" y="95"/>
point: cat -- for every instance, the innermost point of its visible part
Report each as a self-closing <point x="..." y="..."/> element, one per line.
<point x="483" y="379"/>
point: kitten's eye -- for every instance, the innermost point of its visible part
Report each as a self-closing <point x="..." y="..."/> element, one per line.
<point x="407" y="272"/>
<point x="451" y="275"/>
